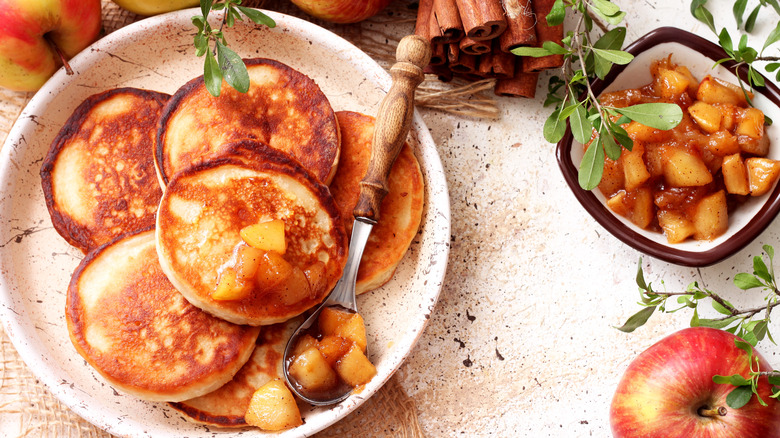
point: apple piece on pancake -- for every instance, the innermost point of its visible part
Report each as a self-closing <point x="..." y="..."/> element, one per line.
<point x="129" y="322"/>
<point x="401" y="210"/>
<point x="283" y="108"/>
<point x="98" y="177"/>
<point x="204" y="208"/>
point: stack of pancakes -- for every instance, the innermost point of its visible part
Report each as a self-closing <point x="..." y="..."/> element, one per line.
<point x="155" y="189"/>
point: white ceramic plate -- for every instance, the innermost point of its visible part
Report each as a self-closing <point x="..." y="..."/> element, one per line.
<point x="157" y="54"/>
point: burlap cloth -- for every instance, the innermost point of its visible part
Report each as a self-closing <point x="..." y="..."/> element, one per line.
<point x="390" y="412"/>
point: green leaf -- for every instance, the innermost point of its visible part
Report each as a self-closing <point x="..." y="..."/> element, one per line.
<point x="640" y="276"/>
<point x="721" y="380"/>
<point x="772" y="66"/>
<point x="750" y="337"/>
<point x="705" y="16"/>
<point x="655" y="115"/>
<point x="770" y="251"/>
<point x="212" y="75"/>
<point x="581" y="128"/>
<point x="738" y="380"/>
<point x="744" y="346"/>
<point x="773" y="379"/>
<point x="257" y="16"/>
<point x="751" y="21"/>
<point x="557" y="13"/>
<point x="695" y="321"/>
<point x="616" y="56"/>
<point x="198" y="21"/>
<point x="746" y="281"/>
<point x="637" y="320"/>
<point x="724" y="39"/>
<point x="772" y="38"/>
<point x="201" y="44"/>
<point x="592" y="165"/>
<point x="606" y="7"/>
<point x="739" y="11"/>
<point x="233" y="68"/>
<point x="760" y="269"/>
<point x="554" y="48"/>
<point x="534" y="52"/>
<point x="621" y="135"/>
<point x="760" y="330"/>
<point x="554" y="128"/>
<point x="612" y="40"/>
<point x="715" y="323"/>
<point x="720" y="308"/>
<point x="205" y="7"/>
<point x="739" y="397"/>
<point x="611" y="148"/>
<point x="755" y="77"/>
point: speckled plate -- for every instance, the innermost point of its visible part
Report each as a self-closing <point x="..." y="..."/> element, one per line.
<point x="157" y="54"/>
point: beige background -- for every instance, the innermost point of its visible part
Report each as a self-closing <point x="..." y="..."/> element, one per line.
<point x="522" y="341"/>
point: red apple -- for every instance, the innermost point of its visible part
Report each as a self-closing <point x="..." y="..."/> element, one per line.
<point x="667" y="391"/>
<point x="342" y="11"/>
<point x="29" y="31"/>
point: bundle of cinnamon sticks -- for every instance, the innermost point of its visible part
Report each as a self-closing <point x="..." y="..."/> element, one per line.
<point x="473" y="39"/>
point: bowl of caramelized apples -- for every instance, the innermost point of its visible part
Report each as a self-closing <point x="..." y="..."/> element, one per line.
<point x="697" y="193"/>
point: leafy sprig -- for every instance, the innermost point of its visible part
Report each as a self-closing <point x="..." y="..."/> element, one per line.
<point x="750" y="324"/>
<point x="589" y="54"/>
<point x="220" y="61"/>
<point x="743" y="54"/>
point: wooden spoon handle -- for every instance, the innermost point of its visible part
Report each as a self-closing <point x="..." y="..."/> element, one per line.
<point x="394" y="120"/>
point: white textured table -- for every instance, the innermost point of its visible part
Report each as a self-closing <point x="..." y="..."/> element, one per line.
<point x="522" y="340"/>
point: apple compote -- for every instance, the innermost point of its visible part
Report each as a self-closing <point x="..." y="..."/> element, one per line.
<point x="331" y="359"/>
<point x="684" y="182"/>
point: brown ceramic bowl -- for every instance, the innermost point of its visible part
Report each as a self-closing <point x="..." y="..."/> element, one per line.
<point x="748" y="220"/>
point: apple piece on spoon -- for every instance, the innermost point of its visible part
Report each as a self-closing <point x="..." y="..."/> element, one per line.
<point x="36" y="34"/>
<point x="668" y="391"/>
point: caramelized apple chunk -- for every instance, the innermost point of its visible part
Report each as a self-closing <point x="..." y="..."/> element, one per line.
<point x="272" y="407"/>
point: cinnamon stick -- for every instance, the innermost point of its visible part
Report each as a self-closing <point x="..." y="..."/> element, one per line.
<point x="482" y="19"/>
<point x="544" y="32"/>
<point x="460" y="62"/>
<point x="422" y="25"/>
<point x="472" y="47"/>
<point x="520" y="25"/>
<point x="438" y="54"/>
<point x="497" y="64"/>
<point x="522" y="84"/>
<point x="448" y="26"/>
<point x="443" y="72"/>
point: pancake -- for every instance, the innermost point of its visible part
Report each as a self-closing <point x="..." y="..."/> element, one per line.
<point x="203" y="209"/>
<point x="127" y="320"/>
<point x="401" y="210"/>
<point x="283" y="108"/>
<point x="226" y="406"/>
<point x="98" y="177"/>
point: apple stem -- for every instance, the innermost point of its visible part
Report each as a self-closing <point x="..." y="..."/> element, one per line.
<point x="712" y="413"/>
<point x="64" y="60"/>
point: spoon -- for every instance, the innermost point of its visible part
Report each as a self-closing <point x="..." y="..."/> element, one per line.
<point x="394" y="119"/>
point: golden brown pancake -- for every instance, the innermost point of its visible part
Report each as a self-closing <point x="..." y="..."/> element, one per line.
<point x="129" y="322"/>
<point x="283" y="108"/>
<point x="226" y="406"/>
<point x="400" y="212"/>
<point x="98" y="177"/>
<point x="203" y="209"/>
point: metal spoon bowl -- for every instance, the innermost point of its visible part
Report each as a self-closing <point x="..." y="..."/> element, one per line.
<point x="394" y="120"/>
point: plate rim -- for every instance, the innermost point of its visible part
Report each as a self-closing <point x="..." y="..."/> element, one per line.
<point x="440" y="207"/>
